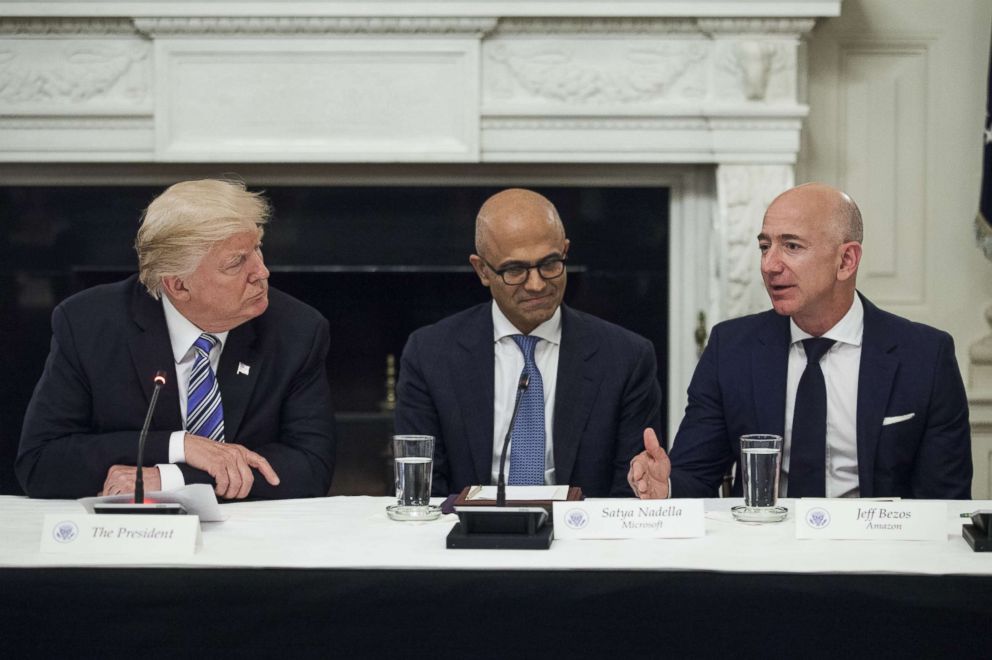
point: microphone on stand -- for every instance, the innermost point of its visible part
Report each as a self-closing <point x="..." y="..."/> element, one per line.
<point x="138" y="506"/>
<point x="501" y="481"/>
<point x="139" y="477"/>
<point x="502" y="527"/>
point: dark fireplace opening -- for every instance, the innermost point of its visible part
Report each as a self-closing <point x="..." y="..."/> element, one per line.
<point x="377" y="261"/>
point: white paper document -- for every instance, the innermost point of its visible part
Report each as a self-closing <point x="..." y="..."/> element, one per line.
<point x="527" y="493"/>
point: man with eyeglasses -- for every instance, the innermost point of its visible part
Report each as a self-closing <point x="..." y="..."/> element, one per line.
<point x="591" y="386"/>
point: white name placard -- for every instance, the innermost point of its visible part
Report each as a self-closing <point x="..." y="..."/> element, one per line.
<point x="88" y="534"/>
<point x="629" y="519"/>
<point x="902" y="520"/>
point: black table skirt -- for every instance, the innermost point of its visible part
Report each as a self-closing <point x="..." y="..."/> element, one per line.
<point x="287" y="613"/>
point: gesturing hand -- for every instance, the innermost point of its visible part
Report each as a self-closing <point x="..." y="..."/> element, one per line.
<point x="229" y="464"/>
<point x="649" y="470"/>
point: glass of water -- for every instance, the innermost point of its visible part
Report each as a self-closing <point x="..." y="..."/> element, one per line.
<point x="761" y="462"/>
<point x="413" y="457"/>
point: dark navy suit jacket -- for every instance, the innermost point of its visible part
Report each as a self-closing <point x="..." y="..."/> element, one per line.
<point x="739" y="387"/>
<point x="607" y="393"/>
<point x="107" y="344"/>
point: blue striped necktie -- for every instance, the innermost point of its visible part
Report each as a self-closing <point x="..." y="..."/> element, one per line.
<point x="204" y="410"/>
<point x="527" y="441"/>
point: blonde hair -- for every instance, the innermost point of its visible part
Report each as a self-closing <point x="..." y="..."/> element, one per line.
<point x="181" y="225"/>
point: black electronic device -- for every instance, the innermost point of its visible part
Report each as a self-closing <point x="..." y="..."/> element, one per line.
<point x="501" y="528"/>
<point x="979" y="533"/>
<point x="145" y="508"/>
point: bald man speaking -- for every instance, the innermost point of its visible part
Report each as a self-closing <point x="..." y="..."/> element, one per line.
<point x="592" y="386"/>
<point x="869" y="404"/>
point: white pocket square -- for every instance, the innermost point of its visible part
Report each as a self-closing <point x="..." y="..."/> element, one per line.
<point x="897" y="418"/>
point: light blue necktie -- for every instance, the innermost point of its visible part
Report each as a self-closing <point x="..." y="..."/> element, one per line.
<point x="204" y="410"/>
<point x="527" y="441"/>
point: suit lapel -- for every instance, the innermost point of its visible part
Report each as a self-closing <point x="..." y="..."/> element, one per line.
<point x="237" y="374"/>
<point x="769" y="373"/>
<point x="472" y="377"/>
<point x="875" y="378"/>
<point x="575" y="391"/>
<point x="151" y="351"/>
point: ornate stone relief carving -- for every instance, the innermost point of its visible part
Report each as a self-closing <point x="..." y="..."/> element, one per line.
<point x="286" y="25"/>
<point x="754" y="65"/>
<point x="72" y="73"/>
<point x="597" y="26"/>
<point x="755" y="61"/>
<point x="563" y="73"/>
<point x="65" y="26"/>
<point x="776" y="26"/>
<point x="743" y="194"/>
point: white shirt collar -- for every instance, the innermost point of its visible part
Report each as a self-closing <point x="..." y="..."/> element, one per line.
<point x="849" y="330"/>
<point x="550" y="330"/>
<point x="182" y="331"/>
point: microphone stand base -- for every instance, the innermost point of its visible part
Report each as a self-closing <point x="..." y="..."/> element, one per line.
<point x="152" y="509"/>
<point x="976" y="538"/>
<point x="500" y="528"/>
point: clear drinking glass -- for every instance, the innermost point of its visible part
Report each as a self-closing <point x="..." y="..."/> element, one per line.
<point x="761" y="462"/>
<point x="413" y="457"/>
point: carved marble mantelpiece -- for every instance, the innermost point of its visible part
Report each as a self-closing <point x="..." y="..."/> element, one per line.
<point x="582" y="81"/>
<point x="711" y="84"/>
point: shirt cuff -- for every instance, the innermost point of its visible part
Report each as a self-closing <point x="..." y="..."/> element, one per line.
<point x="177" y="447"/>
<point x="171" y="476"/>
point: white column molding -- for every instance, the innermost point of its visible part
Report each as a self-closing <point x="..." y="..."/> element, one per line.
<point x="643" y="88"/>
<point x="980" y="352"/>
<point x="60" y="26"/>
<point x="311" y="25"/>
<point x="743" y="192"/>
<point x="980" y="408"/>
<point x="597" y="26"/>
<point x="793" y="27"/>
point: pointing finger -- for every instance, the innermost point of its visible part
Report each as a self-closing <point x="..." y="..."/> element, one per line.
<point x="258" y="462"/>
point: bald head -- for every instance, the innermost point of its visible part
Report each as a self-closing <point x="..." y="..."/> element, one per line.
<point x="828" y="204"/>
<point x="508" y="212"/>
<point x="519" y="232"/>
<point x="810" y="244"/>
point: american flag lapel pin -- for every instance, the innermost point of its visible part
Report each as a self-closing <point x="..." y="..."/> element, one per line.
<point x="243" y="369"/>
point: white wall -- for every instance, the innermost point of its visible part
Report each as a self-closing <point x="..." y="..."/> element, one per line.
<point x="897" y="96"/>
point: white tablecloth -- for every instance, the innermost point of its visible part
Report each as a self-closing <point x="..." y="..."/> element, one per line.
<point x="354" y="532"/>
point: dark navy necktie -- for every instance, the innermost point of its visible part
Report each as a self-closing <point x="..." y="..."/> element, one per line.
<point x="204" y="410"/>
<point x="527" y="440"/>
<point x="808" y="453"/>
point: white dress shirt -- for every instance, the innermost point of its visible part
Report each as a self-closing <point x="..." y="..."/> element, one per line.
<point x="509" y="364"/>
<point x="840" y="366"/>
<point x="182" y="335"/>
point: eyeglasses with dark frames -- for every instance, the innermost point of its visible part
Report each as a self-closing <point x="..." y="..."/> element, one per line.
<point x="516" y="275"/>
